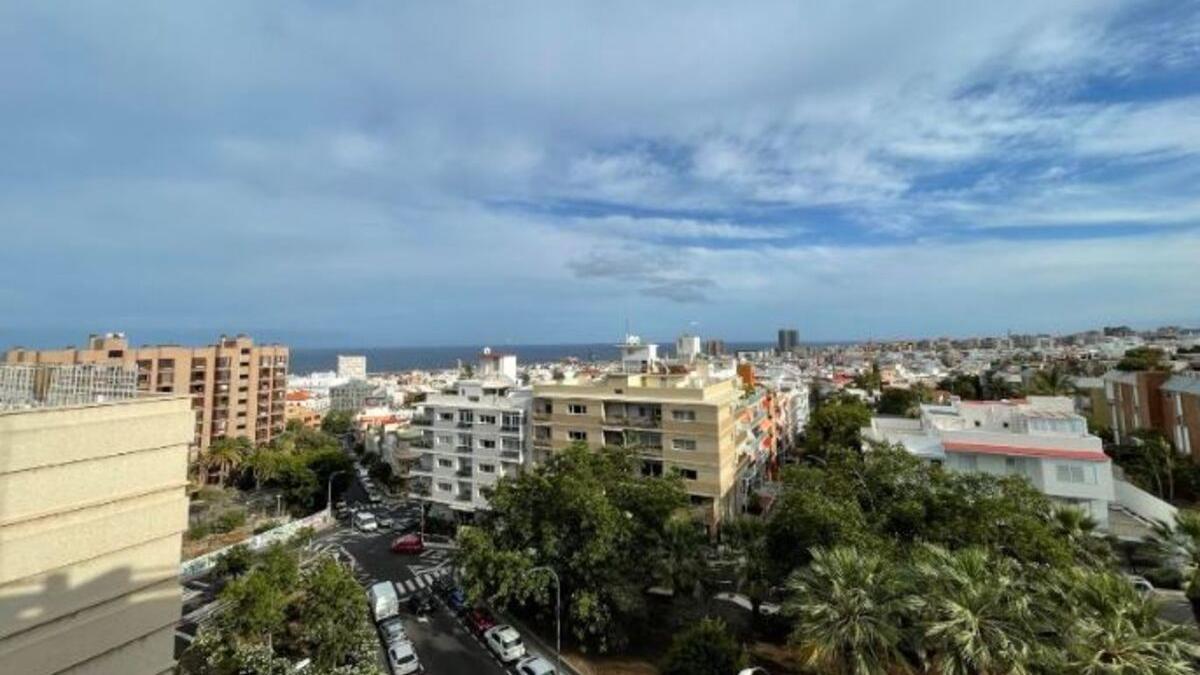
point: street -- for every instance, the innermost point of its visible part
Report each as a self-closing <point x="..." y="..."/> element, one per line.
<point x="441" y="640"/>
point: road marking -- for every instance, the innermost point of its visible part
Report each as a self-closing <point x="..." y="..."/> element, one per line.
<point x="408" y="586"/>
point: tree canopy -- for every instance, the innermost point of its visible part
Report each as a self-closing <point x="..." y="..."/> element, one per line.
<point x="598" y="522"/>
<point x="1142" y="358"/>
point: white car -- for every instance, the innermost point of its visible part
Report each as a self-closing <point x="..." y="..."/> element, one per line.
<point x="403" y="659"/>
<point x="385" y="522"/>
<point x="505" y="642"/>
<point x="534" y="665"/>
<point x="365" y="521"/>
<point x="392" y="631"/>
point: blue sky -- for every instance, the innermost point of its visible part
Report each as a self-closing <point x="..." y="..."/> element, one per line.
<point x="362" y="173"/>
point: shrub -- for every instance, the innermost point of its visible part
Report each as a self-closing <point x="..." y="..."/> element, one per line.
<point x="265" y="526"/>
<point x="198" y="531"/>
<point x="229" y="521"/>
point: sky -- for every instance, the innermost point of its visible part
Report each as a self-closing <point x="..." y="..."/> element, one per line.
<point x="379" y="173"/>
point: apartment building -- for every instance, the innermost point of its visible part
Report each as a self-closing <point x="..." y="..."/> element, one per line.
<point x="92" y="511"/>
<point x="1135" y="402"/>
<point x="1041" y="438"/>
<point x="470" y="439"/>
<point x="351" y="367"/>
<point x="355" y="395"/>
<point x="674" y="421"/>
<point x="1181" y="412"/>
<point x="236" y="388"/>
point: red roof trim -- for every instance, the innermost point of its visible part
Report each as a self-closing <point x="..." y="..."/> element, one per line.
<point x="1053" y="453"/>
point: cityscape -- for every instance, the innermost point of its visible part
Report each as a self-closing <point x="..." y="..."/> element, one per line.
<point x="579" y="339"/>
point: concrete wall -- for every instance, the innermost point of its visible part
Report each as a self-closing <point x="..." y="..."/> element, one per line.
<point x="92" y="510"/>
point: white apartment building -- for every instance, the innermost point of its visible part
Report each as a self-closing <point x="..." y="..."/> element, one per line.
<point x="1041" y="438"/>
<point x="351" y="367"/>
<point x="471" y="438"/>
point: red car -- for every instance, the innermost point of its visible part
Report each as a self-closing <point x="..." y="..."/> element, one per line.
<point x="479" y="620"/>
<point x="409" y="543"/>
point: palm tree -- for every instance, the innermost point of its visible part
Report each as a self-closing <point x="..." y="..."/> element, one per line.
<point x="848" y="606"/>
<point x="1054" y="381"/>
<point x="976" y="613"/>
<point x="1177" y="547"/>
<point x="266" y="465"/>
<point x="748" y="539"/>
<point x="1078" y="529"/>
<point x="1117" y="631"/>
<point x="225" y="455"/>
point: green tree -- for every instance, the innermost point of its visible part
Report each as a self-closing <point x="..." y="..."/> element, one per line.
<point x="894" y="401"/>
<point x="333" y="608"/>
<point x="255" y="608"/>
<point x="870" y="380"/>
<point x="748" y="540"/>
<point x="234" y="563"/>
<point x="225" y="455"/>
<point x="848" y="606"/>
<point x="680" y="563"/>
<point x="706" y="648"/>
<point x="1177" y="546"/>
<point x="1053" y="381"/>
<point x="590" y="516"/>
<point x="1142" y="358"/>
<point x="265" y="464"/>
<point x="337" y="422"/>
<point x="976" y="613"/>
<point x="837" y="424"/>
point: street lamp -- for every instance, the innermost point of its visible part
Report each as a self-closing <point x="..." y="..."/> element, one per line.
<point x="329" y="491"/>
<point x="557" y="616"/>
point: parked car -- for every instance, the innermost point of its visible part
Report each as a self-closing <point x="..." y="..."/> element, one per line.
<point x="534" y="665"/>
<point x="376" y="500"/>
<point x="383" y="601"/>
<point x="385" y="522"/>
<point x="480" y="621"/>
<point x="365" y="521"/>
<point x="420" y="602"/>
<point x="403" y="659"/>
<point x="505" y="642"/>
<point x="1140" y="584"/>
<point x="456" y="600"/>
<point x="392" y="630"/>
<point x="409" y="543"/>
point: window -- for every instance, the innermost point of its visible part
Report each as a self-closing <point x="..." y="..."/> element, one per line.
<point x="1067" y="473"/>
<point x="967" y="462"/>
<point x="445" y="463"/>
<point x="683" y="415"/>
<point x="577" y="435"/>
<point x="445" y="439"/>
<point x="487" y="443"/>
<point x="510" y="443"/>
<point x="446" y="417"/>
<point x="683" y="444"/>
<point x="487" y="468"/>
<point x="487" y="419"/>
<point x="576" y="409"/>
<point x="445" y="487"/>
<point x="688" y="474"/>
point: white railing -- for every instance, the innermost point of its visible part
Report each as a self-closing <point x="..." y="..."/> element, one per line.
<point x="200" y="565"/>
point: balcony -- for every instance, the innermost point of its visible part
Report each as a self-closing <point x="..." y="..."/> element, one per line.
<point x="422" y="421"/>
<point x="419" y="469"/>
<point x="463" y="449"/>
<point x="464" y="472"/>
<point x="541" y="415"/>
<point x="464" y="425"/>
<point x="508" y="429"/>
<point x="510" y="454"/>
<point x="462" y="496"/>
<point x="421" y="443"/>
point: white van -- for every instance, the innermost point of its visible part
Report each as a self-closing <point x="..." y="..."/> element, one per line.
<point x="365" y="521"/>
<point x="383" y="600"/>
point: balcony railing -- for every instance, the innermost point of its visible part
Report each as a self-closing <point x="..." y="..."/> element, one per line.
<point x="421" y="443"/>
<point x="464" y="472"/>
<point x="463" y="496"/>
<point x="422" y="421"/>
<point x="464" y="425"/>
<point x="510" y="454"/>
<point x="542" y="416"/>
<point x="509" y="429"/>
<point x="463" y="449"/>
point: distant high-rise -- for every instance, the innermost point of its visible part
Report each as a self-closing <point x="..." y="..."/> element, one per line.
<point x="687" y="347"/>
<point x="352" y="367"/>
<point x="789" y="340"/>
<point x="714" y="347"/>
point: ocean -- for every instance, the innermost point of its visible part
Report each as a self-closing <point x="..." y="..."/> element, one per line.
<point x="396" y="359"/>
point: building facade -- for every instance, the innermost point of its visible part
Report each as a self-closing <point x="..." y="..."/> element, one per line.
<point x="1041" y="439"/>
<point x="236" y="388"/>
<point x="355" y="395"/>
<point x="1181" y="412"/>
<point x="92" y="514"/>
<point x="1135" y="402"/>
<point x="788" y="340"/>
<point x="351" y="367"/>
<point x="470" y="439"/>
<point x="685" y="422"/>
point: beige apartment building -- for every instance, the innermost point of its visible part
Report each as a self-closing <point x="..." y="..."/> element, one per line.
<point x="92" y="511"/>
<point x="673" y="421"/>
<point x="236" y="388"/>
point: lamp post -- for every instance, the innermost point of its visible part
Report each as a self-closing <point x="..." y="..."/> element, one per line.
<point x="557" y="616"/>
<point x="329" y="492"/>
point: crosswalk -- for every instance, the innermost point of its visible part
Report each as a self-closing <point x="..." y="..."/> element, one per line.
<point x="407" y="587"/>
